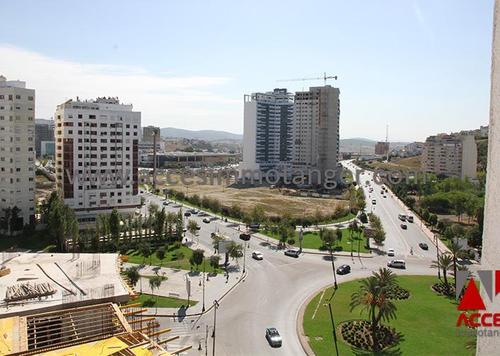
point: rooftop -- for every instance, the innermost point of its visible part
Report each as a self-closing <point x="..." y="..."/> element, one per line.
<point x="44" y="281"/>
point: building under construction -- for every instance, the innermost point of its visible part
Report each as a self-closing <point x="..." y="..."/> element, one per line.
<point x="101" y="329"/>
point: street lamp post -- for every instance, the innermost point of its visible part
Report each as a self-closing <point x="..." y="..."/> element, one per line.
<point x="437" y="255"/>
<point x="216" y="305"/>
<point x="203" y="307"/>
<point x="333" y="329"/>
<point x="335" y="286"/>
<point x="244" y="256"/>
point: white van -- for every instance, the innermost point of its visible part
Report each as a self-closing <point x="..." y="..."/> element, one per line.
<point x="397" y="264"/>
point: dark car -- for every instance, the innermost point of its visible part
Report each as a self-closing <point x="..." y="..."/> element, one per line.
<point x="292" y="253"/>
<point x="245" y="237"/>
<point x="187" y="213"/>
<point x="344" y="269"/>
<point x="423" y="246"/>
<point x="404" y="227"/>
<point x="273" y="337"/>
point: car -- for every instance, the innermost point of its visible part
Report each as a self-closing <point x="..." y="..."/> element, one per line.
<point x="206" y="220"/>
<point x="390" y="252"/>
<point x="404" y="226"/>
<point x="344" y="269"/>
<point x="184" y="230"/>
<point x="187" y="213"/>
<point x="194" y="211"/>
<point x="409" y="218"/>
<point x="273" y="337"/>
<point x="198" y="227"/>
<point x="402" y="217"/>
<point x="423" y="246"/>
<point x="374" y="202"/>
<point x="256" y="255"/>
<point x="397" y="264"/>
<point x="292" y="253"/>
<point x="245" y="236"/>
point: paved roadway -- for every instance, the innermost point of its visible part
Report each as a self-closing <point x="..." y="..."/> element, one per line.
<point x="388" y="209"/>
<point x="276" y="287"/>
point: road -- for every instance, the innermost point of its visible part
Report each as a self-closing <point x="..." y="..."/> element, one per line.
<point x="276" y="287"/>
<point x="387" y="209"/>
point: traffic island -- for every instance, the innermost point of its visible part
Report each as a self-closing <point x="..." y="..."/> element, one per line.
<point x="425" y="322"/>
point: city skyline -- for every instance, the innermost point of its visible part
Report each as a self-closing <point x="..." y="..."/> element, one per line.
<point x="383" y="66"/>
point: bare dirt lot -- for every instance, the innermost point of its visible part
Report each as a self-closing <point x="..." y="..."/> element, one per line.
<point x="273" y="200"/>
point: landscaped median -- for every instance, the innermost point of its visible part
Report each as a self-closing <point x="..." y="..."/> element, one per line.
<point x="152" y="301"/>
<point x="312" y="240"/>
<point x="424" y="324"/>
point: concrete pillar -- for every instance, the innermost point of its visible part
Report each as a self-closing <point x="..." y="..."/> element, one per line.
<point x="491" y="237"/>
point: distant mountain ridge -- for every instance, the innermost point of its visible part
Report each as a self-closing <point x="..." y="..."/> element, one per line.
<point x="207" y="135"/>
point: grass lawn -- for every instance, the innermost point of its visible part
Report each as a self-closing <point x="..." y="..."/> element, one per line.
<point x="172" y="259"/>
<point x="149" y="301"/>
<point x="426" y="321"/>
<point x="312" y="240"/>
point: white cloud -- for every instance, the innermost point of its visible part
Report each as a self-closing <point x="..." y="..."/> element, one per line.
<point x="186" y="102"/>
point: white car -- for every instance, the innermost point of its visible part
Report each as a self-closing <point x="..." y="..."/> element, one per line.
<point x="397" y="264"/>
<point x="390" y="252"/>
<point x="256" y="255"/>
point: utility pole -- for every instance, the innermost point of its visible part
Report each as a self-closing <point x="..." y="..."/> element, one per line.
<point x="206" y="340"/>
<point x="335" y="286"/>
<point x="203" y="307"/>
<point x="216" y="305"/>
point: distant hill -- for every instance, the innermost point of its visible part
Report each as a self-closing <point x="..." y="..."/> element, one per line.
<point x="207" y="135"/>
<point x="366" y="146"/>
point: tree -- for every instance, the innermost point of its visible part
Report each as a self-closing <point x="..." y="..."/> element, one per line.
<point x="192" y="227"/>
<point x="410" y="202"/>
<point x="133" y="276"/>
<point x="114" y="226"/>
<point x="328" y="237"/>
<point x="145" y="250"/>
<point x="160" y="254"/>
<point x="433" y="219"/>
<point x="196" y="258"/>
<point x="235" y="251"/>
<point x="214" y="262"/>
<point x="179" y="225"/>
<point x="456" y="250"/>
<point x="160" y="219"/>
<point x="155" y="283"/>
<point x="257" y="214"/>
<point x="285" y="231"/>
<point x="61" y="223"/>
<point x="371" y="296"/>
<point x="445" y="262"/>
<point x="339" y="236"/>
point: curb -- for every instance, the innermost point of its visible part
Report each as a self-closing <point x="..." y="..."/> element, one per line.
<point x="174" y="315"/>
<point x="300" y="323"/>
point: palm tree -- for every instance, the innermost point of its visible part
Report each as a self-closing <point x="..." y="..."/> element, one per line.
<point x="445" y="262"/>
<point x="455" y="250"/>
<point x="371" y="296"/>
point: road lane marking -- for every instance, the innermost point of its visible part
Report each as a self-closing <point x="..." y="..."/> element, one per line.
<point x="319" y="303"/>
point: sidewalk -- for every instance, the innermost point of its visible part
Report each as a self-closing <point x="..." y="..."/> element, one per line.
<point x="216" y="287"/>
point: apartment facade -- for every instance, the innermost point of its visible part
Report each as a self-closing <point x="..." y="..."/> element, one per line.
<point x="97" y="156"/>
<point x="316" y="130"/>
<point x="381" y="148"/>
<point x="17" y="149"/>
<point x="450" y="155"/>
<point x="267" y="133"/>
<point x="44" y="132"/>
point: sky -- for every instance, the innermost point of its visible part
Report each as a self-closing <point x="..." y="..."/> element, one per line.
<point x="420" y="66"/>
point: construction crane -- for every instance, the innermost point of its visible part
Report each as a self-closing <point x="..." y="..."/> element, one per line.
<point x="324" y="77"/>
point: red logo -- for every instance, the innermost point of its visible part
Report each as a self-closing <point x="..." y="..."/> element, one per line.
<point x="472" y="301"/>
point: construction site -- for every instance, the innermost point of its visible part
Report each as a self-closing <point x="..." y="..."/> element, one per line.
<point x="73" y="304"/>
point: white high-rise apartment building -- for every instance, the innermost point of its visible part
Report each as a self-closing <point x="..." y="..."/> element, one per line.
<point x="316" y="130"/>
<point x="97" y="156"/>
<point x="450" y="155"/>
<point x="17" y="149"/>
<point x="267" y="141"/>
